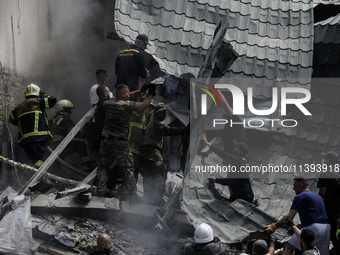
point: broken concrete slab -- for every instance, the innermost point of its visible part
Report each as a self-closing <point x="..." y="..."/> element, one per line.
<point x="97" y="207"/>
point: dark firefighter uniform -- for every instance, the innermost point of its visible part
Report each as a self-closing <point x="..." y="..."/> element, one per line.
<point x="238" y="182"/>
<point x="60" y="126"/>
<point x="34" y="132"/>
<point x="130" y="65"/>
<point x="153" y="169"/>
<point x="138" y="125"/>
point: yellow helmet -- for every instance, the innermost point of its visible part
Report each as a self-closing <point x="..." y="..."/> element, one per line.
<point x="64" y="105"/>
<point x="32" y="90"/>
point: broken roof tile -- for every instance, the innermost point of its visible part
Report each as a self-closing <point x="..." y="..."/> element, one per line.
<point x="273" y="38"/>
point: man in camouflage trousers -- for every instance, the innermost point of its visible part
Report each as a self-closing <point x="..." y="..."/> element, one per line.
<point x="153" y="169"/>
<point x="138" y="124"/>
<point x="114" y="144"/>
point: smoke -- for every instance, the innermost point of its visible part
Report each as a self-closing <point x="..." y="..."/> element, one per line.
<point x="72" y="48"/>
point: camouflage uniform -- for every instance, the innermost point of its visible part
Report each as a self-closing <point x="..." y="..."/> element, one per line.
<point x="153" y="169"/>
<point x="115" y="145"/>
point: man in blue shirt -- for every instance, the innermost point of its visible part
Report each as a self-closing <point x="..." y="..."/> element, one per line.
<point x="312" y="212"/>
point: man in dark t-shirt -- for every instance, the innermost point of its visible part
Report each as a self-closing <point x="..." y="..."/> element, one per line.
<point x="329" y="190"/>
<point x="312" y="212"/>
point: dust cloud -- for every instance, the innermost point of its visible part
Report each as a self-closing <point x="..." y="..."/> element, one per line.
<point x="73" y="48"/>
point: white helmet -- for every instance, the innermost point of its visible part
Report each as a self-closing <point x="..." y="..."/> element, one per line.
<point x="203" y="234"/>
<point x="64" y="105"/>
<point x="32" y="90"/>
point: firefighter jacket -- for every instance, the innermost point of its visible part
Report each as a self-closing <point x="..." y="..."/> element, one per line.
<point x="60" y="125"/>
<point x="156" y="130"/>
<point x="31" y="119"/>
<point x="130" y="65"/>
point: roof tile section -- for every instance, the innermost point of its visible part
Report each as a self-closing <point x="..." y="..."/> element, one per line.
<point x="273" y="38"/>
<point x="327" y="48"/>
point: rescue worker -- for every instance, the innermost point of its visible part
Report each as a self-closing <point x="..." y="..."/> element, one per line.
<point x="306" y="238"/>
<point x="205" y="243"/>
<point x="103" y="94"/>
<point x="138" y="124"/>
<point x="260" y="247"/>
<point x="329" y="190"/>
<point x="114" y="144"/>
<point x="238" y="182"/>
<point x="312" y="214"/>
<point x="61" y="124"/>
<point x="104" y="245"/>
<point x="130" y="64"/>
<point x="153" y="169"/>
<point x="31" y="119"/>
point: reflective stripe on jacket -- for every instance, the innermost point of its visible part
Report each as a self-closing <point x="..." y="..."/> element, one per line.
<point x="31" y="119"/>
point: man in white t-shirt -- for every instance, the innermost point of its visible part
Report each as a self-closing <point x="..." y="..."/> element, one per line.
<point x="102" y="79"/>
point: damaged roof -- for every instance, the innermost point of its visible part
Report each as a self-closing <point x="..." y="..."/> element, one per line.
<point x="274" y="39"/>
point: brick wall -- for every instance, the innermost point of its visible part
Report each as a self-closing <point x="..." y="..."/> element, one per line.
<point x="11" y="94"/>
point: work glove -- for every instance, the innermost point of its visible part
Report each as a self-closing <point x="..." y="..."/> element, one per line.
<point x="144" y="88"/>
<point x="210" y="184"/>
<point x="43" y="94"/>
<point x="152" y="90"/>
<point x="290" y="222"/>
<point x="212" y="179"/>
<point x="270" y="229"/>
<point x="273" y="239"/>
<point x="337" y="234"/>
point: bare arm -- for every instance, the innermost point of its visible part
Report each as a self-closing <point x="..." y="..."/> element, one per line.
<point x="322" y="192"/>
<point x="204" y="139"/>
<point x="134" y="94"/>
<point x="290" y="215"/>
<point x="297" y="232"/>
<point x="143" y="105"/>
<point x="271" y="249"/>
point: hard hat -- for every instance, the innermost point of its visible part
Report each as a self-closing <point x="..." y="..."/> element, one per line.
<point x="203" y="234"/>
<point x="64" y="105"/>
<point x="32" y="90"/>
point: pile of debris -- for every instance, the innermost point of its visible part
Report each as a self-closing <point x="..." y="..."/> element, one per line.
<point x="65" y="226"/>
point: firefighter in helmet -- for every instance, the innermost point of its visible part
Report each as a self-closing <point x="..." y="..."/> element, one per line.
<point x="61" y="124"/>
<point x="31" y="119"/>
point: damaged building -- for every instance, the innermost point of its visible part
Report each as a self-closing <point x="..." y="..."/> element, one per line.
<point x="259" y="44"/>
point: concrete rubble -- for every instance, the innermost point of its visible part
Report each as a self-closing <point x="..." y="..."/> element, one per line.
<point x="66" y="226"/>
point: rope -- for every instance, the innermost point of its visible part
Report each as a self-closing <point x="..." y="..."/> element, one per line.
<point x="19" y="165"/>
